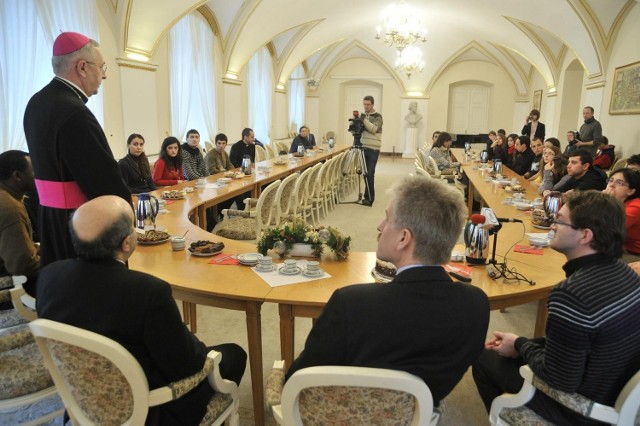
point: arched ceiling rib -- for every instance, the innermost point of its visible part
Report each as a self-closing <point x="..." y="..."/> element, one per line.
<point x="507" y="33"/>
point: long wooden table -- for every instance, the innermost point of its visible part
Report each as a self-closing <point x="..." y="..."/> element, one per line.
<point x="195" y="281"/>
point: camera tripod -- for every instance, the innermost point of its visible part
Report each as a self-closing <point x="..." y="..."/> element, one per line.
<point x="355" y="158"/>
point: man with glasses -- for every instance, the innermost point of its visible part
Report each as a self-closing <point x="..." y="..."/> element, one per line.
<point x="71" y="157"/>
<point x="592" y="342"/>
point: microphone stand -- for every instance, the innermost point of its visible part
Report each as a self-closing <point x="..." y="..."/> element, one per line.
<point x="494" y="231"/>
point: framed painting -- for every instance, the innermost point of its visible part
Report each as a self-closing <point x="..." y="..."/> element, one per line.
<point x="625" y="95"/>
<point x="537" y="100"/>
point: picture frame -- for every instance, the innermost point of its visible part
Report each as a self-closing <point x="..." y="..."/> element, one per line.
<point x="625" y="93"/>
<point x="537" y="100"/>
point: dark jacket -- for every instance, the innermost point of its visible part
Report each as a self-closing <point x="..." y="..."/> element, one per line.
<point x="136" y="310"/>
<point x="522" y="163"/>
<point x="133" y="177"/>
<point x="540" y="131"/>
<point x="593" y="179"/>
<point x="422" y="322"/>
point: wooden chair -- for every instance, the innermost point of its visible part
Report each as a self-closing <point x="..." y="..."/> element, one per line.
<point x="285" y="197"/>
<point x="208" y="146"/>
<point x="257" y="215"/>
<point x="308" y="204"/>
<point x="261" y="154"/>
<point x="349" y="395"/>
<point x="299" y="199"/>
<point x="100" y="382"/>
<point x="510" y="409"/>
<point x="617" y="165"/>
<point x="422" y="172"/>
<point x="320" y="194"/>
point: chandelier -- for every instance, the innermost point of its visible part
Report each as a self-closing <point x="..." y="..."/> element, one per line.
<point x="410" y="61"/>
<point x="400" y="27"/>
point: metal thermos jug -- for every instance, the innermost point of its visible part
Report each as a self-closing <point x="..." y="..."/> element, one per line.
<point x="147" y="210"/>
<point x="476" y="241"/>
<point x="484" y="157"/>
<point x="497" y="166"/>
<point x="246" y="165"/>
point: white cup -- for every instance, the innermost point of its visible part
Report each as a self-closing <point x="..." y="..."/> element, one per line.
<point x="178" y="243"/>
<point x="290" y="264"/>
<point x="313" y="265"/>
<point x="508" y="200"/>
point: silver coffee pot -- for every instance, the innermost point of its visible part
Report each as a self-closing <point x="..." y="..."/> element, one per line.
<point x="476" y="241"/>
<point x="246" y="165"/>
<point x="147" y="210"/>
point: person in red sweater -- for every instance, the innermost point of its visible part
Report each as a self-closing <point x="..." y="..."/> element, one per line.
<point x="624" y="185"/>
<point x="168" y="168"/>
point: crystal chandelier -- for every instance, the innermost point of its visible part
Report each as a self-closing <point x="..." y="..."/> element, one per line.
<point x="410" y="61"/>
<point x="400" y="27"/>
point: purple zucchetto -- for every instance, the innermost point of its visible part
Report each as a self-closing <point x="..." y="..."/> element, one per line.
<point x="69" y="42"/>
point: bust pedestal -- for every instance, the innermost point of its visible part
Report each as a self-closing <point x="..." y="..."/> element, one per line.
<point x="410" y="142"/>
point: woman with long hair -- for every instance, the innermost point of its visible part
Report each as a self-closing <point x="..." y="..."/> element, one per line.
<point x="134" y="167"/>
<point x="554" y="171"/>
<point x="168" y="168"/>
<point x="624" y="185"/>
<point x="498" y="149"/>
<point x="442" y="154"/>
<point x="511" y="148"/>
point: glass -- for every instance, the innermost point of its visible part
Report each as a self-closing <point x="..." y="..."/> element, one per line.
<point x="557" y="222"/>
<point x="103" y="67"/>
<point x="616" y="182"/>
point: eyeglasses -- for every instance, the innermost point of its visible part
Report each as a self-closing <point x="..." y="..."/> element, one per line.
<point x="103" y="67"/>
<point x="617" y="182"/>
<point x="557" y="222"/>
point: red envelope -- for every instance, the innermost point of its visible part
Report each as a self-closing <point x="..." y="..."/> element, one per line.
<point x="521" y="248"/>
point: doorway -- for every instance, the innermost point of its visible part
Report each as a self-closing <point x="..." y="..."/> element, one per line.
<point x="469" y="108"/>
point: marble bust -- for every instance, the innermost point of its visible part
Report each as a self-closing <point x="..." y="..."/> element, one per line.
<point x="413" y="117"/>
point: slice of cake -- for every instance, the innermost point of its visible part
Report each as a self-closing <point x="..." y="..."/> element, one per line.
<point x="384" y="271"/>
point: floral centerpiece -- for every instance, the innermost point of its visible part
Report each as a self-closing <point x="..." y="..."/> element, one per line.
<point x="294" y="230"/>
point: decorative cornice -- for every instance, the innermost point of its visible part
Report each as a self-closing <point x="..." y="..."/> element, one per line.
<point x="128" y="63"/>
<point x="231" y="81"/>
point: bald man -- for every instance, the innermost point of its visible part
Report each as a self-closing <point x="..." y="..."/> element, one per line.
<point x="99" y="293"/>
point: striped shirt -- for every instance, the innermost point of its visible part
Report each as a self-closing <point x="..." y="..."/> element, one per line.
<point x="592" y="343"/>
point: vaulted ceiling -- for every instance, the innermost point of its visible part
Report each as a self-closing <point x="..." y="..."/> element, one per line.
<point x="516" y="35"/>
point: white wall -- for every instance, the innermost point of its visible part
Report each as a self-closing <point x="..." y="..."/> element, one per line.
<point x="623" y="131"/>
<point x="501" y="112"/>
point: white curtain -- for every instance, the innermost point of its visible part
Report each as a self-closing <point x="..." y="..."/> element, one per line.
<point x="204" y="70"/>
<point x="192" y="77"/>
<point x="181" y="59"/>
<point x="79" y="16"/>
<point x="296" y="98"/>
<point x="25" y="67"/>
<point x="260" y="90"/>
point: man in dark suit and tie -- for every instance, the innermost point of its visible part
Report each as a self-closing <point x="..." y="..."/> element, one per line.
<point x="99" y="293"/>
<point x="422" y="322"/>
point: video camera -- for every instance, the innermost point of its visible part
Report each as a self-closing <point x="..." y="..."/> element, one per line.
<point x="356" y="125"/>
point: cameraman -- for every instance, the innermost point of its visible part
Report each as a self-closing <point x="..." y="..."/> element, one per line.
<point x="371" y="142"/>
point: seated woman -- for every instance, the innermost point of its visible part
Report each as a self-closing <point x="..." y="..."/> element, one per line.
<point x="549" y="152"/>
<point x="168" y="168"/>
<point x="511" y="148"/>
<point x="441" y="153"/>
<point x="134" y="168"/>
<point x="554" y="173"/>
<point x="625" y="186"/>
<point x="498" y="149"/>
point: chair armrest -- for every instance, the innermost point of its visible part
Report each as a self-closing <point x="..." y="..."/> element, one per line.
<point x="510" y="400"/>
<point x="250" y="202"/>
<point x="275" y="384"/>
<point x="18" y="294"/>
<point x="234" y="212"/>
<point x="216" y="381"/>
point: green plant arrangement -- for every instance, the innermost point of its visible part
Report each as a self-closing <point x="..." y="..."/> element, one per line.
<point x="281" y="239"/>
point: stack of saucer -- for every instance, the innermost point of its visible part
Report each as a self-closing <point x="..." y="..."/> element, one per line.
<point x="290" y="267"/>
<point x="265" y="264"/>
<point x="249" y="259"/>
<point x="313" y="269"/>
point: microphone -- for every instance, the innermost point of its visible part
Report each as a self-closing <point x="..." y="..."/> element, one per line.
<point x="477" y="219"/>
<point x="508" y="220"/>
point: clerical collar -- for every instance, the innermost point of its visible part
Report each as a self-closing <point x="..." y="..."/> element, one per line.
<point x="73" y="86"/>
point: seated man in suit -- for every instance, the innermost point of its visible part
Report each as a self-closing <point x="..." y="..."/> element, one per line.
<point x="303" y="139"/>
<point x="592" y="337"/>
<point x="422" y="322"/>
<point x="99" y="293"/>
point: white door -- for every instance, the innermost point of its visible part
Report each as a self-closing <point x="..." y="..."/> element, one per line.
<point x="469" y="109"/>
<point x="353" y="95"/>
